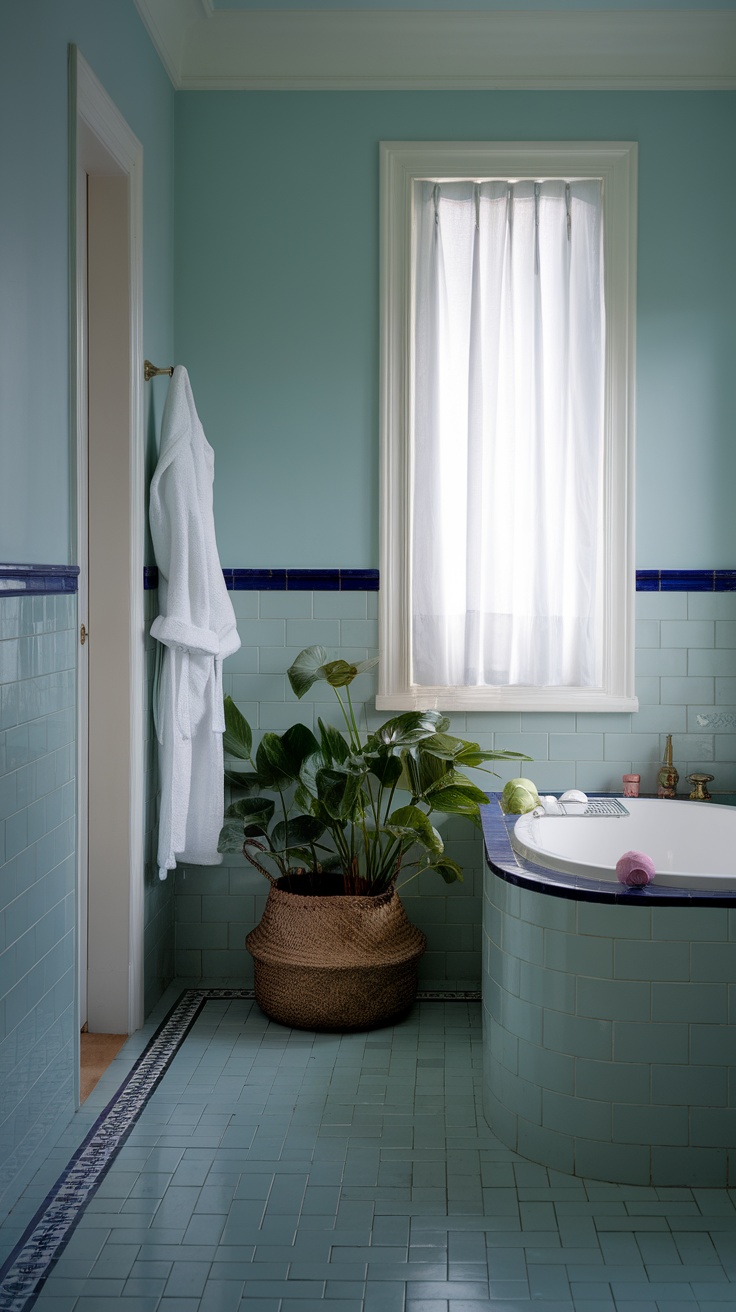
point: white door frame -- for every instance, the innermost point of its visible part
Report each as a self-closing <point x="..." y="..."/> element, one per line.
<point x="102" y="143"/>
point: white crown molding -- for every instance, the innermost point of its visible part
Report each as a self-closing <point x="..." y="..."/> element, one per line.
<point x="218" y="49"/>
<point x="167" y="23"/>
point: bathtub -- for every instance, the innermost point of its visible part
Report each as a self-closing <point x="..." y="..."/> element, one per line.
<point x="609" y="1036"/>
<point x="692" y="845"/>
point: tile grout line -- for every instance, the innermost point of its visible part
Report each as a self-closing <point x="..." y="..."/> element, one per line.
<point x="28" y="1265"/>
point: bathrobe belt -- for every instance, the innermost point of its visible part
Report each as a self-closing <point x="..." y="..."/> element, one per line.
<point x="214" y="689"/>
<point x="188" y="639"/>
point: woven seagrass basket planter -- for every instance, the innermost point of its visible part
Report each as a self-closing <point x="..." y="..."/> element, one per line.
<point x="335" y="962"/>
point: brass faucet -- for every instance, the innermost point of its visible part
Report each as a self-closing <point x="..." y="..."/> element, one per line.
<point x="700" y="787"/>
<point x="667" y="776"/>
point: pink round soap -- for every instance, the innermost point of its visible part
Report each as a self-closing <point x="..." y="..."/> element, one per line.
<point x="635" y="869"/>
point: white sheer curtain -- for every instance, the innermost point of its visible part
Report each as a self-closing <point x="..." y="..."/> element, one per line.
<point x="507" y="472"/>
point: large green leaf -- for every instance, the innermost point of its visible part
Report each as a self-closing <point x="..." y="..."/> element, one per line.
<point x="339" y="792"/>
<point x="246" y="780"/>
<point x="309" y="771"/>
<point x="407" y="729"/>
<point x="355" y="763"/>
<point x="303" y="800"/>
<point x="320" y="812"/>
<point x="237" y="739"/>
<point x="298" y="832"/>
<point x="334" y="746"/>
<point x="252" y="811"/>
<point x="472" y="755"/>
<point x="231" y="837"/>
<point x="297" y="744"/>
<point x="386" y="767"/>
<point x="340" y="673"/>
<point x="425" y="770"/>
<point x="312" y="664"/>
<point x="307" y="669"/>
<point x="443" y="745"/>
<point x="280" y="756"/>
<point x="410" y="821"/>
<point x="454" y="779"/>
<point x="449" y="869"/>
<point x="459" y="801"/>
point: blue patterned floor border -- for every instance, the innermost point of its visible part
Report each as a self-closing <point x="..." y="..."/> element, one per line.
<point x="23" y="1274"/>
<point x="25" y="1270"/>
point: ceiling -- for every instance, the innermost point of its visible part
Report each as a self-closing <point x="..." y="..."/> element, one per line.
<point x="438" y="45"/>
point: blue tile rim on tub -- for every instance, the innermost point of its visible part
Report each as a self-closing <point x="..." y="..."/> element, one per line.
<point x="505" y="862"/>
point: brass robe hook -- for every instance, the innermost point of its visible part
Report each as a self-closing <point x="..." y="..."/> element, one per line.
<point x="150" y="371"/>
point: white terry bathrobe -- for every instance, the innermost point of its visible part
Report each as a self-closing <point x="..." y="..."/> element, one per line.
<point x="196" y="625"/>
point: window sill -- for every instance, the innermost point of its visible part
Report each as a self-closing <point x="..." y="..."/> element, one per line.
<point x="505" y="699"/>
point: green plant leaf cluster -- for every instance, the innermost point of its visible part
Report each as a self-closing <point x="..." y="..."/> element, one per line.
<point x="338" y="802"/>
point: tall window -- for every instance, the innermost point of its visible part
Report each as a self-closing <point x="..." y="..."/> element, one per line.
<point x="507" y="315"/>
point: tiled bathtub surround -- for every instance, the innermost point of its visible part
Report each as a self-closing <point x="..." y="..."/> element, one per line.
<point x="37" y="870"/>
<point x="608" y="1036"/>
<point x="686" y="667"/>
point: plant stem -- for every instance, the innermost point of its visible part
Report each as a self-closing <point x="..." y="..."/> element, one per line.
<point x="372" y="847"/>
<point x="356" y="734"/>
<point x="347" y="721"/>
<point x="409" y="878"/>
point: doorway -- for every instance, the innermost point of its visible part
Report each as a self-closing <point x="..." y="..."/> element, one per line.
<point x="107" y="377"/>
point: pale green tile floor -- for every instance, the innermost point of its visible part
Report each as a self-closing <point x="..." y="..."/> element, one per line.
<point x="280" y="1171"/>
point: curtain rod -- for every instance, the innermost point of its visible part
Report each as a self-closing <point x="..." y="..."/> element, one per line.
<point x="150" y="371"/>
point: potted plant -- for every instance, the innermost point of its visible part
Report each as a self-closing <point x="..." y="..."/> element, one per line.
<point x="332" y="821"/>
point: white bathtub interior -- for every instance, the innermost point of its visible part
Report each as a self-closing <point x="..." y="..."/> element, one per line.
<point x="692" y="844"/>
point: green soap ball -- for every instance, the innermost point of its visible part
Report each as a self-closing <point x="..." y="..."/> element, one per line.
<point x="519" y="796"/>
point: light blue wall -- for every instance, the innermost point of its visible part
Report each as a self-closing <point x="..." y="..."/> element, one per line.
<point x="38" y="635"/>
<point x="34" y="307"/>
<point x="277" y="322"/>
<point x="277" y="305"/>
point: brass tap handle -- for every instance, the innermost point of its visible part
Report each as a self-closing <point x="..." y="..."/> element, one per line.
<point x="700" y="791"/>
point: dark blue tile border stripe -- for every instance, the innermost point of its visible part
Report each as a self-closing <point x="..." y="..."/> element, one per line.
<point x="20" y="580"/>
<point x="302" y="580"/>
<point x="686" y="580"/>
<point x="288" y="580"/>
<point x="367" y="580"/>
<point x="36" y="580"/>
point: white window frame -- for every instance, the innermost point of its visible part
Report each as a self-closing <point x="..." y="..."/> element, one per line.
<point x="402" y="164"/>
